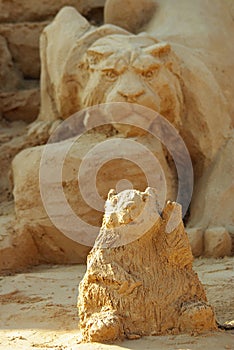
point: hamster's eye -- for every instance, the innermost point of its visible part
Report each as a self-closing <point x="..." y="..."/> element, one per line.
<point x="111" y="75"/>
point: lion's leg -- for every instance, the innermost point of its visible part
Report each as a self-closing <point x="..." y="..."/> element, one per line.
<point x="129" y="14"/>
<point x="56" y="41"/>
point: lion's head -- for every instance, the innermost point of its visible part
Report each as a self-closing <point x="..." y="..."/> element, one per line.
<point x="129" y="68"/>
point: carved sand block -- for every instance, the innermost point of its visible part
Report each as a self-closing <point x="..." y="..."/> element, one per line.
<point x="139" y="279"/>
<point x="145" y="55"/>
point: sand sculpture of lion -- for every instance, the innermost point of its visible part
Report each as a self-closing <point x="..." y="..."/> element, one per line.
<point x="175" y="60"/>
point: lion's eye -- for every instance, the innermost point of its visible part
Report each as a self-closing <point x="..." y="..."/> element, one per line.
<point x="93" y="60"/>
<point x="148" y="74"/>
<point x="111" y="75"/>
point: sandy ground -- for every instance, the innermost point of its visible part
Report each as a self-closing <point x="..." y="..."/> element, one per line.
<point x="38" y="310"/>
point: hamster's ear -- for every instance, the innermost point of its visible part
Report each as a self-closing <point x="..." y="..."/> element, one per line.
<point x="159" y="49"/>
<point x="111" y="194"/>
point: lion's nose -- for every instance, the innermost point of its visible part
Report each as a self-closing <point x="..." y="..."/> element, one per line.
<point x="131" y="94"/>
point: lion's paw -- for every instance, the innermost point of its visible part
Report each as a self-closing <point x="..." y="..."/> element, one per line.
<point x="40" y="131"/>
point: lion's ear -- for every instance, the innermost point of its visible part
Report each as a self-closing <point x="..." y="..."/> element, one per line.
<point x="159" y="49"/>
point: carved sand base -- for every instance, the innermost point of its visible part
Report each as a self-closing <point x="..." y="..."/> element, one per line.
<point x="143" y="287"/>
